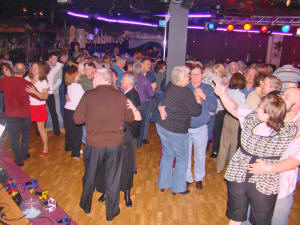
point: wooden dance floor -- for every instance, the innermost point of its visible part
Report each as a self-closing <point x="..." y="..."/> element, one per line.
<point x="61" y="176"/>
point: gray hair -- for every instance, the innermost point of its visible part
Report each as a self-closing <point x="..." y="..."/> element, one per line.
<point x="120" y="59"/>
<point x="275" y="82"/>
<point x="105" y="75"/>
<point x="137" y="68"/>
<point x="131" y="78"/>
<point x="178" y="73"/>
<point x="19" y="68"/>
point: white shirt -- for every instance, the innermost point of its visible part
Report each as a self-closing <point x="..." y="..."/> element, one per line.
<point x="288" y="179"/>
<point x="40" y="85"/>
<point x="54" y="78"/>
<point x="75" y="92"/>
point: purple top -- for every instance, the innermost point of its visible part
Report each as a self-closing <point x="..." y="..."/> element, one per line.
<point x="144" y="88"/>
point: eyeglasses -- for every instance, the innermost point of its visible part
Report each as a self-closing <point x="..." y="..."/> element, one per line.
<point x="195" y="74"/>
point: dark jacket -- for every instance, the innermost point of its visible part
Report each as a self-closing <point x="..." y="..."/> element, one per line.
<point x="134" y="127"/>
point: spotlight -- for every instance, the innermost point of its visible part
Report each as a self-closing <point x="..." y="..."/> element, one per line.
<point x="285" y="28"/>
<point x="264" y="29"/>
<point x="247" y="26"/>
<point x="210" y="26"/>
<point x="230" y="27"/>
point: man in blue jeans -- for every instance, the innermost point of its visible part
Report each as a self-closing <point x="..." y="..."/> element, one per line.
<point x="198" y="132"/>
<point x="145" y="90"/>
<point x="150" y="74"/>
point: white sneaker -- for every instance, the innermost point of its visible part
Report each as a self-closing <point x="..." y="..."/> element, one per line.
<point x="81" y="151"/>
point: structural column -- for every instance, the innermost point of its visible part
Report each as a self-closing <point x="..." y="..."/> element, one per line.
<point x="177" y="37"/>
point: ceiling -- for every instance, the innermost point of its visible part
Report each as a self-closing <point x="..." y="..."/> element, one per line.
<point x="146" y="9"/>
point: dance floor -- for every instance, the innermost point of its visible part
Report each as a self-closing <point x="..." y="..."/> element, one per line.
<point x="61" y="176"/>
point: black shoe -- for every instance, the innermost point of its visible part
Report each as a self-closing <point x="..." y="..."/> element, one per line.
<point x="162" y="190"/>
<point x="188" y="184"/>
<point x="182" y="193"/>
<point x="87" y="211"/>
<point x="213" y="155"/>
<point x="102" y="198"/>
<point x="57" y="133"/>
<point x="116" y="214"/>
<point x="27" y="156"/>
<point x="19" y="164"/>
<point x="199" y="184"/>
<point x="127" y="198"/>
<point x="145" y="142"/>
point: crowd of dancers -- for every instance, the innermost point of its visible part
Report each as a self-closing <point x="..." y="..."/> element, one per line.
<point x="248" y="113"/>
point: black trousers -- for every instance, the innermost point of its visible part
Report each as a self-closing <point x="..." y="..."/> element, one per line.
<point x="73" y="134"/>
<point x="218" y="131"/>
<point x="19" y="127"/>
<point x="94" y="158"/>
<point x="128" y="165"/>
<point x="51" y="106"/>
<point x="129" y="161"/>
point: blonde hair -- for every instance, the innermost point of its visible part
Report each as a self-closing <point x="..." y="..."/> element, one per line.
<point x="220" y="69"/>
<point x="43" y="71"/>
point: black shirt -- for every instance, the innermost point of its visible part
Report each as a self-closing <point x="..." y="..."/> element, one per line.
<point x="180" y="105"/>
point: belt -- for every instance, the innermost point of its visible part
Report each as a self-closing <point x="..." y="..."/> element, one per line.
<point x="254" y="158"/>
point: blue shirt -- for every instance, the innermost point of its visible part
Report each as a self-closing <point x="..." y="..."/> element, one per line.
<point x="120" y="74"/>
<point x="247" y="92"/>
<point x="208" y="105"/>
<point x="150" y="75"/>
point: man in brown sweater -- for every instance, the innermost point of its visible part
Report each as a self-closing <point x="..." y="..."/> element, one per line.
<point x="104" y="111"/>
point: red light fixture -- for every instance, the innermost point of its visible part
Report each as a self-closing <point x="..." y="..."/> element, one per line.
<point x="264" y="29"/>
<point x="247" y="26"/>
<point x="230" y="27"/>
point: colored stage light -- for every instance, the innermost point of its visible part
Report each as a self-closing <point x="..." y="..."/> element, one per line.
<point x="247" y="26"/>
<point x="229" y="27"/>
<point x="211" y="26"/>
<point x="285" y="28"/>
<point x="264" y="29"/>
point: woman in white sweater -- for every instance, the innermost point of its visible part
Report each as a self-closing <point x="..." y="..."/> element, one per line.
<point x="73" y="132"/>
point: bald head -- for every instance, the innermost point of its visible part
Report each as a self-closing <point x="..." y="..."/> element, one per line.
<point x="19" y="69"/>
<point x="292" y="100"/>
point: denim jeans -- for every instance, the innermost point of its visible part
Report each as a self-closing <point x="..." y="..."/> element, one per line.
<point x="174" y="145"/>
<point x="197" y="137"/>
<point x="147" y="117"/>
<point x="158" y="98"/>
<point x="210" y="126"/>
<point x="83" y="133"/>
<point x="19" y="127"/>
<point x="143" y="111"/>
<point x="62" y="99"/>
<point x="282" y="210"/>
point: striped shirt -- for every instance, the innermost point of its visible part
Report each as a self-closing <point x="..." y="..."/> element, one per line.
<point x="180" y="105"/>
